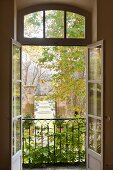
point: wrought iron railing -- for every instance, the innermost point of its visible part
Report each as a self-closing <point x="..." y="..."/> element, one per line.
<point x="54" y="141"/>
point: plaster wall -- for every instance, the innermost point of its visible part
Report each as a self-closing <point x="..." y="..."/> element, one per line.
<point x="6" y="32"/>
<point x="15" y="20"/>
<point x="94" y="21"/>
<point x="84" y="4"/>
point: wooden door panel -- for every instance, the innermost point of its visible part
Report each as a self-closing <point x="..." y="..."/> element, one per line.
<point x="93" y="163"/>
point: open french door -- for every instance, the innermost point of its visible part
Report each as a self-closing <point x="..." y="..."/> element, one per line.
<point x="16" y="107"/>
<point x="95" y="106"/>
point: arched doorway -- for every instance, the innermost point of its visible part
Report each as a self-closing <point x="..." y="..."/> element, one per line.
<point x="45" y="39"/>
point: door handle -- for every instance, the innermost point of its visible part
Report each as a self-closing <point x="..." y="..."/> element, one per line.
<point x="108" y="118"/>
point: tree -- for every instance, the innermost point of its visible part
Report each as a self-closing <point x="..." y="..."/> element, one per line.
<point x="33" y="76"/>
<point x="68" y="78"/>
<point x="33" y="73"/>
<point x="54" y="25"/>
<point x="66" y="64"/>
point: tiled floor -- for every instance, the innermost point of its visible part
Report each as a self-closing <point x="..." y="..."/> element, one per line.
<point x="60" y="168"/>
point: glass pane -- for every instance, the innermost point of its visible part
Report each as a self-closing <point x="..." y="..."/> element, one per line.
<point x="94" y="99"/>
<point x="16" y="63"/>
<point x="95" y="135"/>
<point x="18" y="135"/>
<point x="75" y="25"/>
<point x="13" y="139"/>
<point x="54" y="24"/>
<point x="16" y="99"/>
<point x="95" y="63"/>
<point x="33" y="25"/>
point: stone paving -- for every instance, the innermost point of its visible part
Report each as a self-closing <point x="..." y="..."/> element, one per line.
<point x="59" y="168"/>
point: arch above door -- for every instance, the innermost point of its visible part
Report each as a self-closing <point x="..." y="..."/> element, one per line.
<point x="66" y="10"/>
<point x="86" y="5"/>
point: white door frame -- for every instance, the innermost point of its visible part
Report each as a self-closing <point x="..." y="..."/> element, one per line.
<point x="95" y="158"/>
<point x="16" y="161"/>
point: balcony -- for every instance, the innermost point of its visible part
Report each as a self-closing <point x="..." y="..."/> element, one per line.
<point x="54" y="142"/>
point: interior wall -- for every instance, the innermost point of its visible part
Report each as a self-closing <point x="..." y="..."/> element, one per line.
<point x="6" y="32"/>
<point x="94" y="22"/>
<point x="15" y="20"/>
<point x="105" y="31"/>
<point x="84" y="4"/>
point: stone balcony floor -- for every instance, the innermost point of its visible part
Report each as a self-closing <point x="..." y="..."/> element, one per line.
<point x="58" y="168"/>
